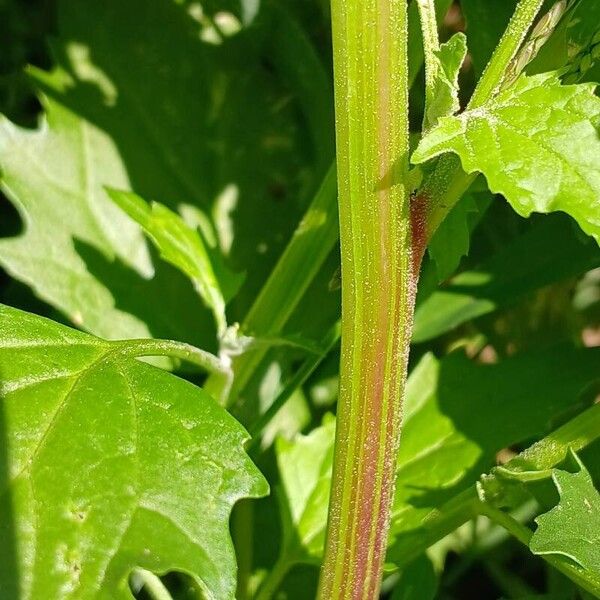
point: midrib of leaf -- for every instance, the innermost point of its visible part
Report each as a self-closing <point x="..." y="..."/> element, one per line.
<point x="55" y="417"/>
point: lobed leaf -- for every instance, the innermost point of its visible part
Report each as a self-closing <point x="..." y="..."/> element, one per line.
<point x="572" y="528"/>
<point x="111" y="464"/>
<point x="537" y="143"/>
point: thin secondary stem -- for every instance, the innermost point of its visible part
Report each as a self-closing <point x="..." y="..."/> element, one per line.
<point x="585" y="579"/>
<point x="301" y="375"/>
<point x="507" y="49"/>
<point x="181" y="350"/>
<point x="431" y="45"/>
<point x="273" y="579"/>
<point x="153" y="586"/>
<point x="378" y="287"/>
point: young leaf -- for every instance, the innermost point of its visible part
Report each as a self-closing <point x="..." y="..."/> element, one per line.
<point x="537" y="144"/>
<point x="452" y="238"/>
<point x="443" y="99"/>
<point x="179" y="245"/>
<point x="572" y="528"/>
<point x="111" y="464"/>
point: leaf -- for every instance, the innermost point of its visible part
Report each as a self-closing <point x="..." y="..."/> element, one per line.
<point x="417" y="582"/>
<point x="537" y="143"/>
<point x="572" y="528"/>
<point x="111" y="464"/>
<point x="305" y="465"/>
<point x="452" y="238"/>
<point x="444" y="93"/>
<point x="159" y="114"/>
<point x="180" y="245"/>
<point x="529" y="262"/>
<point x="448" y="440"/>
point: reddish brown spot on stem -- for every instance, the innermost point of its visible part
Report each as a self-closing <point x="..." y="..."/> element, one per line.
<point x="419" y="207"/>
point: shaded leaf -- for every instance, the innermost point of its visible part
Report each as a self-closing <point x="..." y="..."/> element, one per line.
<point x="111" y="464"/>
<point x="572" y="528"/>
<point x="537" y="143"/>
<point x="417" y="582"/>
<point x="159" y="114"/>
<point x="452" y="239"/>
<point x="529" y="262"/>
<point x="486" y="22"/>
<point x="180" y="245"/>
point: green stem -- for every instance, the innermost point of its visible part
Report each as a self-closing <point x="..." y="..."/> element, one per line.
<point x="181" y="350"/>
<point x="301" y="375"/>
<point x="153" y="586"/>
<point x="431" y="45"/>
<point x="583" y="578"/>
<point x="378" y="287"/>
<point x="273" y="579"/>
<point x="313" y="240"/>
<point x="507" y="49"/>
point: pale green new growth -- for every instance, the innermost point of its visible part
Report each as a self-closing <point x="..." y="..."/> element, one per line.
<point x="537" y="144"/>
<point x="180" y="245"/>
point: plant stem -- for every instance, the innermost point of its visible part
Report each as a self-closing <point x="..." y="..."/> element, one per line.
<point x="181" y="350"/>
<point x="378" y="287"/>
<point x="273" y="579"/>
<point x="507" y="49"/>
<point x="301" y="375"/>
<point x="312" y="242"/>
<point x="153" y="586"/>
<point x="431" y="45"/>
<point x="583" y="578"/>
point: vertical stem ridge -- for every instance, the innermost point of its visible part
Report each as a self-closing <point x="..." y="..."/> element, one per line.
<point x="378" y="286"/>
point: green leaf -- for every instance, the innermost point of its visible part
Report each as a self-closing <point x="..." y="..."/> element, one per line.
<point x="158" y="114"/>
<point x="111" y="464"/>
<point x="180" y="245"/>
<point x="572" y="528"/>
<point x="417" y="582"/>
<point x="452" y="238"/>
<point x="305" y="465"/>
<point x="444" y="93"/>
<point x="537" y="144"/>
<point x="529" y="262"/>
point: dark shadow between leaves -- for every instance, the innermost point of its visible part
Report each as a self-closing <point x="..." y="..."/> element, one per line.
<point x="167" y="302"/>
<point x="9" y="568"/>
